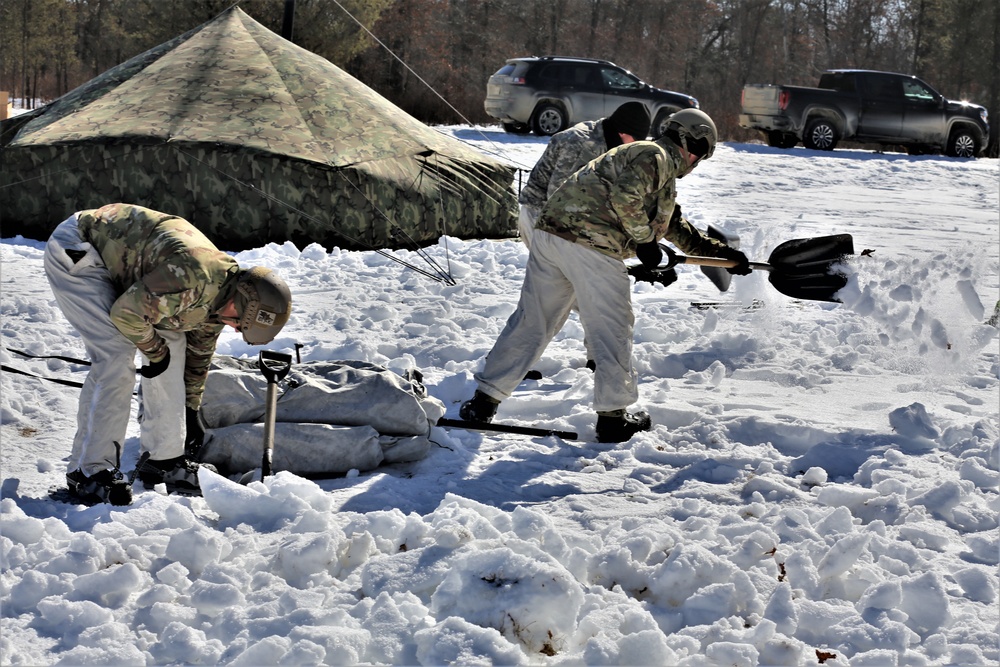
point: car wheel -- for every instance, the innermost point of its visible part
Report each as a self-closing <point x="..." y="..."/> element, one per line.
<point x="962" y="143"/>
<point x="659" y="125"/>
<point x="821" y="135"/>
<point x="516" y="128"/>
<point x="777" y="139"/>
<point x="548" y="120"/>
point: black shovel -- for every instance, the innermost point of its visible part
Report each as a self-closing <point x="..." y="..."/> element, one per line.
<point x="800" y="268"/>
<point x="274" y="366"/>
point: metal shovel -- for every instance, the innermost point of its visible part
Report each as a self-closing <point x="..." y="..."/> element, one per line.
<point x="274" y="366"/>
<point x="800" y="268"/>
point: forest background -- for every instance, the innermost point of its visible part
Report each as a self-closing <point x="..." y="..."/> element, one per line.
<point x="432" y="57"/>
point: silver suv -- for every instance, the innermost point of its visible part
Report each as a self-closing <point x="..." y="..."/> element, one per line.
<point x="547" y="94"/>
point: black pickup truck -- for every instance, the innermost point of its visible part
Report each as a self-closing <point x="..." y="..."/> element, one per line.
<point x="868" y="107"/>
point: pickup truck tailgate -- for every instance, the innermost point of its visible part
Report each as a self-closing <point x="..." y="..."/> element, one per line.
<point x="761" y="99"/>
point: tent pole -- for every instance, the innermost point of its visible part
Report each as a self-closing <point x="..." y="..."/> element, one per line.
<point x="288" y="20"/>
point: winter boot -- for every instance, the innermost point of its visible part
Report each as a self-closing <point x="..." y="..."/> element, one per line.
<point x="619" y="425"/>
<point x="107" y="486"/>
<point x="180" y="473"/>
<point x="480" y="408"/>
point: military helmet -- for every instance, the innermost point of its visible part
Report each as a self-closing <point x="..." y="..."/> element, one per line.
<point x="263" y="303"/>
<point x="694" y="131"/>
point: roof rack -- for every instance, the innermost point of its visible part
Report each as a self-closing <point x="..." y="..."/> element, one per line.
<point x="576" y="58"/>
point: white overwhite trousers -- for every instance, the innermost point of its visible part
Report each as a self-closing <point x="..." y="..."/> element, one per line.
<point x="84" y="292"/>
<point x="559" y="274"/>
<point x="527" y="216"/>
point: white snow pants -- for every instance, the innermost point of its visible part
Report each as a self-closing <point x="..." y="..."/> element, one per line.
<point x="84" y="292"/>
<point x="527" y="216"/>
<point x="560" y="273"/>
<point x="526" y="219"/>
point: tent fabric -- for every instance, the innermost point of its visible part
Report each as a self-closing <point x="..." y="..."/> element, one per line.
<point x="253" y="139"/>
<point x="331" y="417"/>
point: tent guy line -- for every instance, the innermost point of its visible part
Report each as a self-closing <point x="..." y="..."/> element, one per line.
<point x="496" y="152"/>
<point x="438" y="275"/>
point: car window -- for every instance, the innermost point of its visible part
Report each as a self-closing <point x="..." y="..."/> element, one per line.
<point x="619" y="80"/>
<point x="838" y="81"/>
<point x="581" y="76"/>
<point x="550" y="74"/>
<point x="505" y="70"/>
<point x="917" y="92"/>
<point x="885" y="87"/>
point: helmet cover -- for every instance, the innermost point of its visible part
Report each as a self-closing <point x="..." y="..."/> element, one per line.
<point x="263" y="303"/>
<point x="695" y="132"/>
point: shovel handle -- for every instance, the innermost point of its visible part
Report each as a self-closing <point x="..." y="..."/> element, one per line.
<point x="274" y="365"/>
<point x="673" y="259"/>
<point x="721" y="263"/>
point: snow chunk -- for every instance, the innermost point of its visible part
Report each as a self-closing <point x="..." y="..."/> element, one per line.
<point x="530" y="600"/>
<point x="913" y="422"/>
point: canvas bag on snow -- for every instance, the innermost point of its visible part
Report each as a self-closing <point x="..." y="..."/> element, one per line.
<point x="331" y="417"/>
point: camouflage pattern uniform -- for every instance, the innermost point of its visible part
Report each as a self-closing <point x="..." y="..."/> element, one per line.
<point x="614" y="204"/>
<point x="567" y="151"/>
<point x="594" y="220"/>
<point x="129" y="278"/>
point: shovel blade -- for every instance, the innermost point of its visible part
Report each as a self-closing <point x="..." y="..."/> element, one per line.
<point x="805" y="268"/>
<point x="812" y="252"/>
<point x="820" y="287"/>
<point x="720" y="277"/>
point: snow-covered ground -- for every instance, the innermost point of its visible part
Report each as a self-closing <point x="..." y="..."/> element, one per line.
<point x="820" y="486"/>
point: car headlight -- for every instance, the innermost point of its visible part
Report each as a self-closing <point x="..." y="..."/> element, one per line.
<point x="985" y="115"/>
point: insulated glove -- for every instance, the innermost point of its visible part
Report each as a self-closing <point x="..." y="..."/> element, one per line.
<point x="649" y="254"/>
<point x="195" y="432"/>
<point x="154" y="368"/>
<point x="742" y="267"/>
<point x="642" y="273"/>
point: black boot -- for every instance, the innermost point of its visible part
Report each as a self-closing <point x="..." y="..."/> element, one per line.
<point x="106" y="486"/>
<point x="480" y="408"/>
<point x="620" y="425"/>
<point x="179" y="473"/>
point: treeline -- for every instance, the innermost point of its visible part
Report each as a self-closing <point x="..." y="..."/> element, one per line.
<point x="432" y="57"/>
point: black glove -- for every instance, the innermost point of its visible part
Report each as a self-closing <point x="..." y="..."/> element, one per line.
<point x="195" y="433"/>
<point x="664" y="277"/>
<point x="153" y="369"/>
<point x="742" y="267"/>
<point x="649" y="254"/>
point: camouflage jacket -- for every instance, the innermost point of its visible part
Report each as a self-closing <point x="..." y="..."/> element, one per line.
<point x="567" y="151"/>
<point x="624" y="198"/>
<point x="169" y="276"/>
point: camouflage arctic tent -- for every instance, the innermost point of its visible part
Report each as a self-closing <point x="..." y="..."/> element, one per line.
<point x="253" y="139"/>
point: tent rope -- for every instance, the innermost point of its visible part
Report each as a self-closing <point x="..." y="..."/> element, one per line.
<point x="437" y="275"/>
<point x="431" y="88"/>
<point x="445" y="276"/>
